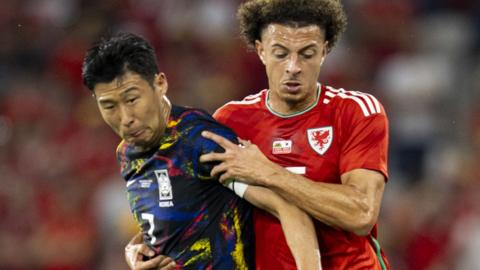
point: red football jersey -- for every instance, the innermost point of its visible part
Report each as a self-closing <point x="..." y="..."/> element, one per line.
<point x="341" y="131"/>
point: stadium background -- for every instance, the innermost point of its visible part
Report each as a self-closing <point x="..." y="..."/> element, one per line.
<point x="62" y="205"/>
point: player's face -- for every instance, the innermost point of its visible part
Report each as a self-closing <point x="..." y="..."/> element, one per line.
<point x="292" y="57"/>
<point x="134" y="109"/>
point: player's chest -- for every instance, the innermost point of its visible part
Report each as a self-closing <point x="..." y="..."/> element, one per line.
<point x="160" y="178"/>
<point x="308" y="146"/>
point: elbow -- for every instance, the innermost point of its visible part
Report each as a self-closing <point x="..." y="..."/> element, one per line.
<point x="363" y="229"/>
<point x="364" y="223"/>
<point x="365" y="219"/>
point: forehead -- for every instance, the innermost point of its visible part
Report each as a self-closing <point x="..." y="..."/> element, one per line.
<point x="120" y="84"/>
<point x="286" y="34"/>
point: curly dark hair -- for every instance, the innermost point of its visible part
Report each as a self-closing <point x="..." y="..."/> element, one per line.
<point x="255" y="15"/>
<point x="112" y="57"/>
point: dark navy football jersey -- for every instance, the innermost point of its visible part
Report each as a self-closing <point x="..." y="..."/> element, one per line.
<point x="182" y="211"/>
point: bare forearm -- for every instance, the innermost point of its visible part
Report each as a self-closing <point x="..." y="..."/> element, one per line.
<point x="343" y="206"/>
<point x="335" y="205"/>
<point x="297" y="226"/>
<point x="301" y="237"/>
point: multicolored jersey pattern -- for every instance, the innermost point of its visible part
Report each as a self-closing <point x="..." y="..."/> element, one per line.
<point x="183" y="212"/>
<point x="341" y="131"/>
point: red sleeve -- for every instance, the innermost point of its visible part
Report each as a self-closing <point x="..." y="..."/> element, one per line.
<point x="364" y="139"/>
<point x="222" y="114"/>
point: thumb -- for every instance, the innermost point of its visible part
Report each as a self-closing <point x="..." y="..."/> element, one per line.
<point x="145" y="250"/>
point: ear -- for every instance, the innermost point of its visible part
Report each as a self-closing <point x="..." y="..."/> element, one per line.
<point x="324" y="52"/>
<point x="160" y="83"/>
<point x="260" y="50"/>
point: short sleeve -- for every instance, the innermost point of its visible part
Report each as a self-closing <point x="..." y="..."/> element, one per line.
<point x="202" y="145"/>
<point x="364" y="139"/>
<point x="222" y="114"/>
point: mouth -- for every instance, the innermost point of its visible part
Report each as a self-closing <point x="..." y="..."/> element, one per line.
<point x="292" y="86"/>
<point x="136" y="133"/>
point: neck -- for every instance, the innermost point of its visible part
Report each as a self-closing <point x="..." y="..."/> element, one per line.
<point x="287" y="108"/>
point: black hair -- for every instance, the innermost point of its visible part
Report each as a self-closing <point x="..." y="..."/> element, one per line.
<point x="114" y="56"/>
<point x="255" y="15"/>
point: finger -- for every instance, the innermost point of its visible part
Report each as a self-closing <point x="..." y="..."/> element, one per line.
<point x="167" y="264"/>
<point x="212" y="157"/>
<point x="131" y="255"/>
<point x="225" y="177"/>
<point x="219" y="169"/>
<point x="223" y="142"/>
<point x="153" y="263"/>
<point x="145" y="250"/>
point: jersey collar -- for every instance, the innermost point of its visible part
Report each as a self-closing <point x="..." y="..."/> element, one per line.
<point x="267" y="103"/>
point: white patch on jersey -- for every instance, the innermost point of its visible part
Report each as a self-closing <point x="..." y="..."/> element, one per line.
<point x="166" y="204"/>
<point x="145" y="183"/>
<point x="281" y="147"/>
<point x="297" y="170"/>
<point x="320" y="138"/>
<point x="165" y="192"/>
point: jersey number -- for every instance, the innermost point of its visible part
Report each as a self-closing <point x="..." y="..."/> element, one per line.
<point x="149" y="218"/>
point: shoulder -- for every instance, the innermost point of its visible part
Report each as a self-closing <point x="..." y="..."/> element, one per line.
<point x="253" y="101"/>
<point x="353" y="103"/>
<point x="186" y="114"/>
<point x="186" y="119"/>
<point x="121" y="151"/>
<point x="190" y="122"/>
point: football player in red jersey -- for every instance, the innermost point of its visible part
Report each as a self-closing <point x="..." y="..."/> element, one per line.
<point x="322" y="149"/>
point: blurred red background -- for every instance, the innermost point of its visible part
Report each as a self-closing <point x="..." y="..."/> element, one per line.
<point x="62" y="203"/>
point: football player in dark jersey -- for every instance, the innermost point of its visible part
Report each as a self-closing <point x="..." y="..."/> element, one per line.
<point x="187" y="218"/>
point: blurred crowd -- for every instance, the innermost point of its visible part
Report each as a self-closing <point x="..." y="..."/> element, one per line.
<point x="62" y="201"/>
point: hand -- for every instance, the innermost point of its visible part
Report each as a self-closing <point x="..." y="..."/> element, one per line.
<point x="245" y="162"/>
<point x="135" y="252"/>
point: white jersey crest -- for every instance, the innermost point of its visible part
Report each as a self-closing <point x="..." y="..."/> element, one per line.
<point x="320" y="138"/>
<point x="165" y="192"/>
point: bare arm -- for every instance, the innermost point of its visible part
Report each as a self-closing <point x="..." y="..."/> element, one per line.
<point x="296" y="224"/>
<point x="352" y="206"/>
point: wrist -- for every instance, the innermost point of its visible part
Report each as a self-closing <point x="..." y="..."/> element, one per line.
<point x="272" y="175"/>
<point x="238" y="187"/>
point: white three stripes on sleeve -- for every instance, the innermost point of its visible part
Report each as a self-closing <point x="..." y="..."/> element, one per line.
<point x="368" y="103"/>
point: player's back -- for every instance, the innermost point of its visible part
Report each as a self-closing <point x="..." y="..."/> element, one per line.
<point x="183" y="212"/>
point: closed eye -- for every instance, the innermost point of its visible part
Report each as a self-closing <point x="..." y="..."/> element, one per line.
<point x="108" y="106"/>
<point x="308" y="54"/>
<point x="280" y="55"/>
<point x="131" y="100"/>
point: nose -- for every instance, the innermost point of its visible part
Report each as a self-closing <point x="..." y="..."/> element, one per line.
<point x="293" y="66"/>
<point x="126" y="116"/>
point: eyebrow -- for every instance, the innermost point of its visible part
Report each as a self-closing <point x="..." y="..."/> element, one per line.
<point x="129" y="89"/>
<point x="301" y="50"/>
<point x="106" y="100"/>
<point x="308" y="47"/>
